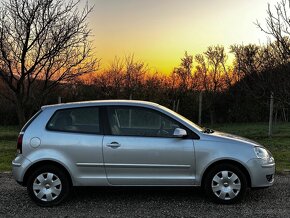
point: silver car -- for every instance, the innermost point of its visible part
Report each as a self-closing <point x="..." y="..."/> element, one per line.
<point x="133" y="143"/>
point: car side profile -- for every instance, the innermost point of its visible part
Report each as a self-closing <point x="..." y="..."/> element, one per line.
<point x="133" y="143"/>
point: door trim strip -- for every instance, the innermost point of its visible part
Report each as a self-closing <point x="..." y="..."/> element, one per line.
<point x="90" y="164"/>
<point x="131" y="165"/>
<point x="146" y="165"/>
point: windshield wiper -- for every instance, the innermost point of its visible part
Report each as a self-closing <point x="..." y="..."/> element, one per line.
<point x="208" y="130"/>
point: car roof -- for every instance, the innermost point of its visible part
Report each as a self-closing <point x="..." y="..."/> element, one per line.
<point x="101" y="103"/>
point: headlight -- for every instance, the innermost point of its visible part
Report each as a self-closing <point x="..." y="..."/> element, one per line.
<point x="262" y="153"/>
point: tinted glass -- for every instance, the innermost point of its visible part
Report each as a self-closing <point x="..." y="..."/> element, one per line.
<point x="84" y="120"/>
<point x="140" y="122"/>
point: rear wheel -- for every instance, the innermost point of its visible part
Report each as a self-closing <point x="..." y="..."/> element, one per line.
<point x="48" y="186"/>
<point x="225" y="184"/>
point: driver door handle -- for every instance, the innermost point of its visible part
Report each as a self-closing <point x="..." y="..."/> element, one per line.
<point x="114" y="145"/>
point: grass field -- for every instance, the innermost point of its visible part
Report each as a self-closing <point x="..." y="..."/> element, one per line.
<point x="8" y="138"/>
<point x="279" y="144"/>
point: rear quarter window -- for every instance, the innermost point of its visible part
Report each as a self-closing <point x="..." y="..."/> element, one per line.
<point x="82" y="120"/>
<point x="30" y="121"/>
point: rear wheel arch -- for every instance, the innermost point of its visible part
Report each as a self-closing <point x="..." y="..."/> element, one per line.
<point x="39" y="164"/>
<point x="231" y="162"/>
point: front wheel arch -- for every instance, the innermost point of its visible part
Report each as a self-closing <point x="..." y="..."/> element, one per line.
<point x="231" y="162"/>
<point x="225" y="184"/>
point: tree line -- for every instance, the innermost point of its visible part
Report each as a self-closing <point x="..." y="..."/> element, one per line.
<point x="45" y="53"/>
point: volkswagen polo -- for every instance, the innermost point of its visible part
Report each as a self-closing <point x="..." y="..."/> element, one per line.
<point x="133" y="143"/>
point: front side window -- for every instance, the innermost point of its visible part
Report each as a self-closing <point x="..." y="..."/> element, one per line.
<point x="83" y="120"/>
<point x="137" y="121"/>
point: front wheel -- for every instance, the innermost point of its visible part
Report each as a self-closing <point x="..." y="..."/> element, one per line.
<point x="48" y="186"/>
<point x="225" y="184"/>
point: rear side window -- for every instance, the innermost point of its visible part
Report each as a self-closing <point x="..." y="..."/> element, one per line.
<point x="82" y="120"/>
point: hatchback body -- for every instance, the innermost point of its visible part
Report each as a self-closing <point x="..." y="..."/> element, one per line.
<point x="133" y="143"/>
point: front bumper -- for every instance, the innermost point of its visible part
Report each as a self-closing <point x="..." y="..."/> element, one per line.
<point x="262" y="175"/>
<point x="19" y="166"/>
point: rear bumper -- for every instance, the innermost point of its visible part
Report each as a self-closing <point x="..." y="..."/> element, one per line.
<point x="19" y="167"/>
<point x="262" y="175"/>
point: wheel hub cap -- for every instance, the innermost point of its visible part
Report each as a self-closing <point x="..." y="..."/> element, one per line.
<point x="47" y="186"/>
<point x="226" y="185"/>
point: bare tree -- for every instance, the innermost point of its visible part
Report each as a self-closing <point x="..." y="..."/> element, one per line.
<point x="278" y="26"/>
<point x="201" y="72"/>
<point x="216" y="58"/>
<point x="115" y="76"/>
<point x="247" y="59"/>
<point x="257" y="65"/>
<point x="134" y="74"/>
<point x="184" y="72"/>
<point x="43" y="43"/>
<point x="212" y="74"/>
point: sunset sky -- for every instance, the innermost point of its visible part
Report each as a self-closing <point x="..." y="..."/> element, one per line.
<point x="158" y="32"/>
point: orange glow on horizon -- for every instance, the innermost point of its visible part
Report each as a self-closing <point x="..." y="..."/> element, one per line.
<point x="158" y="32"/>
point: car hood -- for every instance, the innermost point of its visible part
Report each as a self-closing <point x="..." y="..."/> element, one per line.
<point x="226" y="137"/>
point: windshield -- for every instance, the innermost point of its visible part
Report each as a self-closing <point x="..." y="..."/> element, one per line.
<point x="183" y="118"/>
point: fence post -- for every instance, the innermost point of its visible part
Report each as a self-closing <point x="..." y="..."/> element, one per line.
<point x="130" y="112"/>
<point x="173" y="108"/>
<point x="199" y="107"/>
<point x="59" y="99"/>
<point x="271" y="115"/>
<point x="177" y="106"/>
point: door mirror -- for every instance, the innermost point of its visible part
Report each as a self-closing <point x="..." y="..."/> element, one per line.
<point x="178" y="132"/>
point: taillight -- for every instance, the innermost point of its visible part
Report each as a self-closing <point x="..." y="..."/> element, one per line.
<point x="19" y="143"/>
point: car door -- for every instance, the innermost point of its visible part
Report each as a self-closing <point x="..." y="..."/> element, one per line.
<point x="141" y="149"/>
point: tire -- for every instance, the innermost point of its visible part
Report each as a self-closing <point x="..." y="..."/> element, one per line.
<point x="225" y="184"/>
<point x="48" y="186"/>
